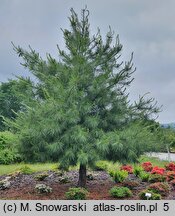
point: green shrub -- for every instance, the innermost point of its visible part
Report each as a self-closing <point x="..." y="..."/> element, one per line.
<point x="156" y="178"/>
<point x="120" y="176"/>
<point x="111" y="173"/>
<point x="41" y="176"/>
<point x="144" y="176"/>
<point x="26" y="170"/>
<point x="8" y="148"/>
<point x="154" y="196"/>
<point x="160" y="188"/>
<point x="76" y="194"/>
<point x="137" y="170"/>
<point x="64" y="179"/>
<point x="6" y="139"/>
<point x="7" y="156"/>
<point x="42" y="188"/>
<point x="120" y="192"/>
<point x="101" y="166"/>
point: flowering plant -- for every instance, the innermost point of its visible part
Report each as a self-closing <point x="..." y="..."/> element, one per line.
<point x="158" y="170"/>
<point x="147" y="166"/>
<point x="127" y="168"/>
<point x="170" y="166"/>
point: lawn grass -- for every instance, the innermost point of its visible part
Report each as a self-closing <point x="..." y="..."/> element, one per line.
<point x="155" y="161"/>
<point x="39" y="167"/>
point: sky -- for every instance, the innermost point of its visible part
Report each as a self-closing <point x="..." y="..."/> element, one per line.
<point x="145" y="27"/>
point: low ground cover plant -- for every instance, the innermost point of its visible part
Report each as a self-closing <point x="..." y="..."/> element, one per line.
<point x="76" y="193"/>
<point x="157" y="170"/>
<point x="120" y="192"/>
<point x="41" y="176"/>
<point x="26" y="170"/>
<point x="127" y="168"/>
<point x="4" y="184"/>
<point x="156" y="178"/>
<point x="64" y="179"/>
<point x="137" y="170"/>
<point x="120" y="175"/>
<point x="153" y="196"/>
<point x="160" y="188"/>
<point x="147" y="166"/>
<point x="42" y="188"/>
<point x="144" y="176"/>
<point x="170" y="175"/>
<point x="130" y="184"/>
<point x="170" y="166"/>
<point x="101" y="166"/>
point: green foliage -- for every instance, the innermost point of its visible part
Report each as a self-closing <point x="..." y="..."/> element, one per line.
<point x="42" y="188"/>
<point x="37" y="167"/>
<point x="144" y="176"/>
<point x="129" y="143"/>
<point x="137" y="170"/>
<point x="167" y="137"/>
<point x="64" y="179"/>
<point x="155" y="161"/>
<point x="156" y="178"/>
<point x="8" y="148"/>
<point x="154" y="196"/>
<point x="80" y="112"/>
<point x="41" y="176"/>
<point x="26" y="170"/>
<point x="12" y="98"/>
<point x="120" y="192"/>
<point x="101" y="166"/>
<point x="59" y="172"/>
<point x="76" y="194"/>
<point x="120" y="175"/>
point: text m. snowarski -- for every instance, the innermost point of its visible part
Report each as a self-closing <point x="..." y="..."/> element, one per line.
<point x="52" y="207"/>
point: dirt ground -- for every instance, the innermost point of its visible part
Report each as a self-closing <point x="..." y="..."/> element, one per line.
<point x="22" y="187"/>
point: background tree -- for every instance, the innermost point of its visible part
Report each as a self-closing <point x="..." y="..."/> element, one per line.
<point x="81" y="112"/>
<point x="12" y="97"/>
<point x="167" y="137"/>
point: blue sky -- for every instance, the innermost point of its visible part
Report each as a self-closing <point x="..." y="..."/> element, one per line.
<point x="145" y="27"/>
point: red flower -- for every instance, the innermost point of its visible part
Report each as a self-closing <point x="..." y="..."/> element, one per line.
<point x="170" y="166"/>
<point x="127" y="168"/>
<point x="158" y="170"/>
<point x="147" y="166"/>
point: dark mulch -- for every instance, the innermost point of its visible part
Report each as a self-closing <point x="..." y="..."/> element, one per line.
<point x="23" y="187"/>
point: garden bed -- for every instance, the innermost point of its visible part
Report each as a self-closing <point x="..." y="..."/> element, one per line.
<point x="22" y="186"/>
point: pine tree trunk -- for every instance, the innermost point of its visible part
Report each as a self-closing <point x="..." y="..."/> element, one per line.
<point x="82" y="176"/>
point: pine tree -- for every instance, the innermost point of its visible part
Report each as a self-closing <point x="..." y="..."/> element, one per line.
<point x="80" y="101"/>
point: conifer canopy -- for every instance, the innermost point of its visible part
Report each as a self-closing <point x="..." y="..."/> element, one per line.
<point x="80" y="111"/>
